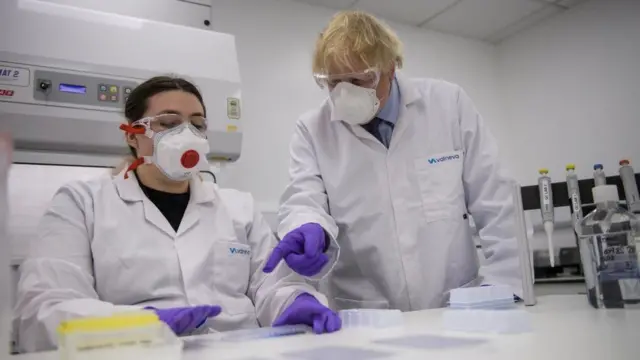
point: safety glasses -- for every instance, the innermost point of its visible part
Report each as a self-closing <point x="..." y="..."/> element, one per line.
<point x="164" y="122"/>
<point x="366" y="79"/>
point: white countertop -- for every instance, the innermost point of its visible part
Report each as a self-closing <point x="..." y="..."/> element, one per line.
<point x="564" y="327"/>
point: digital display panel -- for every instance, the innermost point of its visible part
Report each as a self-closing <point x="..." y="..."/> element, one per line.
<point x="73" y="89"/>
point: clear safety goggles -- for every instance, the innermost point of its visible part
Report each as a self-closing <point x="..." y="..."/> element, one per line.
<point x="367" y="79"/>
<point x="164" y="122"/>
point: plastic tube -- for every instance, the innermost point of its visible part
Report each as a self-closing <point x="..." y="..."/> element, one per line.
<point x="574" y="193"/>
<point x="598" y="175"/>
<point x="546" y="209"/>
<point x="630" y="186"/>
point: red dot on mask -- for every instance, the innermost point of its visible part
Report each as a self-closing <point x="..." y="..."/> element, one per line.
<point x="190" y="159"/>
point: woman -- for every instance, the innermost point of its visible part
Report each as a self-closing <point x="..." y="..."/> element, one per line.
<point x="155" y="236"/>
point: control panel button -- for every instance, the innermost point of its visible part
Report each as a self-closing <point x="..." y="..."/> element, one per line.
<point x="114" y="97"/>
<point x="127" y="90"/>
<point x="113" y="89"/>
<point x="103" y="88"/>
<point x="102" y="97"/>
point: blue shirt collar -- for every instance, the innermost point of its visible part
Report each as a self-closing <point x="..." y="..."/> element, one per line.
<point x="391" y="109"/>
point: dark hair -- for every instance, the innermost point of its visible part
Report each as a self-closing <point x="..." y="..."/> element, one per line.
<point x="137" y="102"/>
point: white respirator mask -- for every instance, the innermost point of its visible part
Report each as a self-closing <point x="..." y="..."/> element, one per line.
<point x="353" y="104"/>
<point x="178" y="152"/>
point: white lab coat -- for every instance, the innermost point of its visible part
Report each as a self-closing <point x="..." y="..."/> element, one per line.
<point x="397" y="218"/>
<point x="104" y="247"/>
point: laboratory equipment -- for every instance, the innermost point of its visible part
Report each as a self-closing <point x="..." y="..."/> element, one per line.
<point x="598" y="175"/>
<point x="524" y="251"/>
<point x="483" y="297"/>
<point x="573" y="189"/>
<point x="62" y="90"/>
<point x="209" y="340"/>
<point x="630" y="186"/>
<point x="546" y="209"/>
<point x="574" y="263"/>
<point x="132" y="334"/>
<point x="609" y="231"/>
<point x="574" y="193"/>
<point x="6" y="287"/>
<point x="370" y="318"/>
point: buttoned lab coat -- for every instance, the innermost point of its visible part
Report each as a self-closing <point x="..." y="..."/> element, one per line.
<point x="104" y="247"/>
<point x="397" y="217"/>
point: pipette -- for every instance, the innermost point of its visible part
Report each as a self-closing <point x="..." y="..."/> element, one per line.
<point x="598" y="175"/>
<point x="546" y="209"/>
<point x="574" y="193"/>
<point x="630" y="186"/>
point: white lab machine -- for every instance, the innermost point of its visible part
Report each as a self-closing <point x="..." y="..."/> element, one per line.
<point x="5" y="258"/>
<point x="65" y="73"/>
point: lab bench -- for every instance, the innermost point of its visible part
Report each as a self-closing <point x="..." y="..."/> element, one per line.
<point x="564" y="327"/>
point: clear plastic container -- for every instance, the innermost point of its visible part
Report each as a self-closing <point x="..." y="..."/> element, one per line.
<point x="483" y="297"/>
<point x="487" y="321"/>
<point x="371" y="318"/>
<point x="609" y="233"/>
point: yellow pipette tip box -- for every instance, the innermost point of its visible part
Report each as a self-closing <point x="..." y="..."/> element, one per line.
<point x="139" y="333"/>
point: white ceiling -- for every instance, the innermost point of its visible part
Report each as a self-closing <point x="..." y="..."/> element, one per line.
<point x="487" y="20"/>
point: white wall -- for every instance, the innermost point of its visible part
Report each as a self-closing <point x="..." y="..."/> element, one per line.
<point x="571" y="87"/>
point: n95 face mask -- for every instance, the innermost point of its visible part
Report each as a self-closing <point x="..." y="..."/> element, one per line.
<point x="178" y="152"/>
<point x="353" y="104"/>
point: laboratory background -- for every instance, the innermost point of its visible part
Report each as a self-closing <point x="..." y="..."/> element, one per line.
<point x="556" y="81"/>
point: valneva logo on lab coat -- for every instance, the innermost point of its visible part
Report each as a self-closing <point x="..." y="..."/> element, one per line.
<point x="14" y="76"/>
<point x="444" y="158"/>
<point x="236" y="251"/>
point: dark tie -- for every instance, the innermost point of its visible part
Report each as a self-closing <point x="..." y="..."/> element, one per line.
<point x="380" y="129"/>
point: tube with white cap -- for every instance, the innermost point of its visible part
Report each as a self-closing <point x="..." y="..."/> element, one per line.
<point x="546" y="209"/>
<point x="630" y="186"/>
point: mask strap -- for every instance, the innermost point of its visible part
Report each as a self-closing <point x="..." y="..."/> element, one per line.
<point x="138" y="130"/>
<point x="134" y="165"/>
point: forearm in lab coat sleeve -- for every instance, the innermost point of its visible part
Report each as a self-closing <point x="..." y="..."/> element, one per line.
<point x="56" y="281"/>
<point x="489" y="200"/>
<point x="272" y="293"/>
<point x="305" y="198"/>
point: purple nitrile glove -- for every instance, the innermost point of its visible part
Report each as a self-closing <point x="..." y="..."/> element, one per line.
<point x="186" y="319"/>
<point x="307" y="310"/>
<point x="302" y="249"/>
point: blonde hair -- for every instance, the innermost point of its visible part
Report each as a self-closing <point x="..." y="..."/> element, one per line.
<point x="355" y="36"/>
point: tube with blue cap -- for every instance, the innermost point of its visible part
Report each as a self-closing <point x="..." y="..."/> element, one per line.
<point x="598" y="175"/>
<point x="546" y="209"/>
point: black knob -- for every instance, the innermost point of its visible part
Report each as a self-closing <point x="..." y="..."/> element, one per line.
<point x="44" y="85"/>
<point x="207" y="23"/>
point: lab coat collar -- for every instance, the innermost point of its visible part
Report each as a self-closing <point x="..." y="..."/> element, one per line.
<point x="129" y="189"/>
<point x="201" y="195"/>
<point x="408" y="91"/>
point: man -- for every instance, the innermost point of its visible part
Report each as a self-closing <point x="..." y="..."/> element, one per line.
<point x="389" y="168"/>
